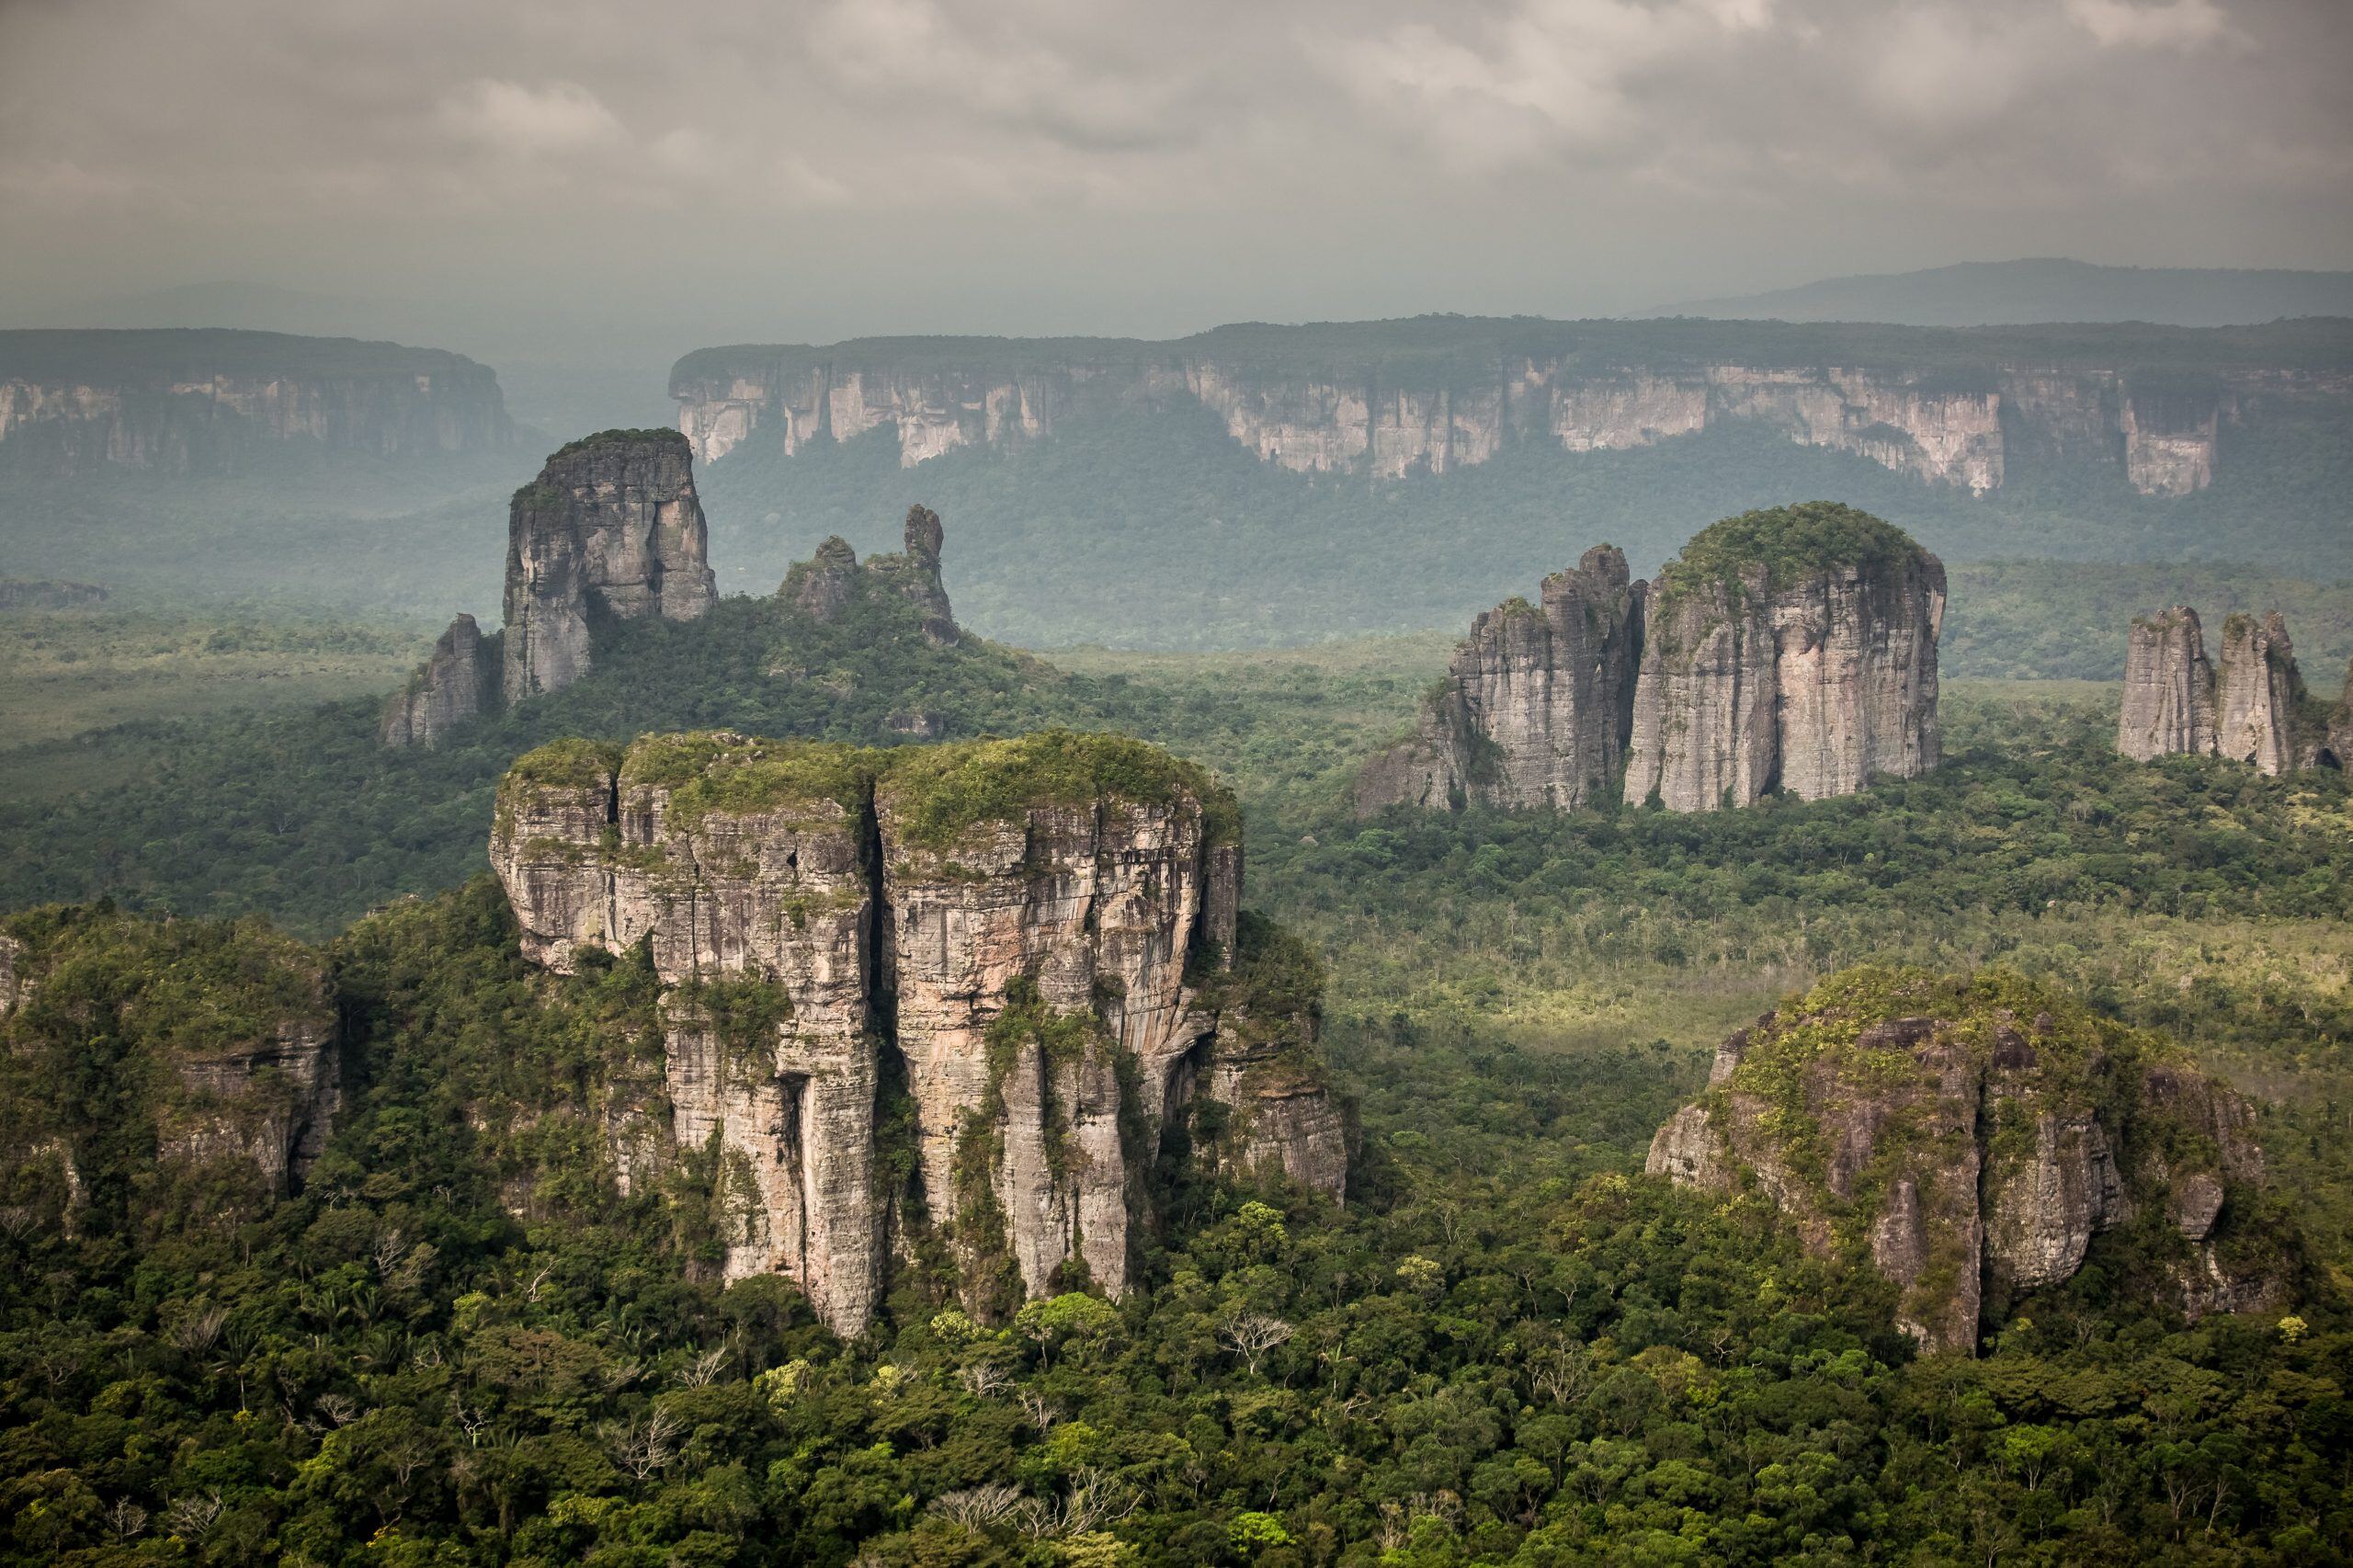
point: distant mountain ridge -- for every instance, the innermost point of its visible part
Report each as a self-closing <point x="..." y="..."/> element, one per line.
<point x="2043" y="290"/>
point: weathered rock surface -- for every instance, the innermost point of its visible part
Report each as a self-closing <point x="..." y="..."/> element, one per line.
<point x="611" y="528"/>
<point x="1023" y="933"/>
<point x="1791" y="649"/>
<point x="19" y="592"/>
<point x="1972" y="1134"/>
<point x="457" y="683"/>
<point x="1537" y="705"/>
<point x="833" y="579"/>
<point x="2256" y="710"/>
<point x="2257" y="694"/>
<point x="2168" y="689"/>
<point x="1367" y="398"/>
<point x="209" y="402"/>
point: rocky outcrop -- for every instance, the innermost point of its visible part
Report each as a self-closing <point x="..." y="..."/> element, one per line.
<point x="1537" y="706"/>
<point x="221" y="1045"/>
<point x="2255" y="711"/>
<point x="2258" y="694"/>
<point x="1791" y="649"/>
<point x="2168" y="689"/>
<point x="833" y="579"/>
<point x="457" y="682"/>
<point x="20" y="594"/>
<point x="1969" y="410"/>
<point x="1976" y="1136"/>
<point x="1033" y="937"/>
<point x="610" y="529"/>
<point x="202" y="402"/>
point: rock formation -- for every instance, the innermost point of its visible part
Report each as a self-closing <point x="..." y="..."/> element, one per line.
<point x="2257" y="694"/>
<point x="222" y="1039"/>
<point x="1032" y="935"/>
<point x="831" y="580"/>
<point x="2256" y="710"/>
<point x="2168" y="689"/>
<point x="1537" y="706"/>
<point x="1975" y="1136"/>
<point x="611" y="528"/>
<point x="1791" y="649"/>
<point x="1970" y="410"/>
<point x="457" y="682"/>
<point x="209" y="402"/>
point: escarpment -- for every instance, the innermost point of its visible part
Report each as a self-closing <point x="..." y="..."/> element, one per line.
<point x="2255" y="711"/>
<point x="1976" y="1137"/>
<point x="610" y="529"/>
<point x="1970" y="410"/>
<point x="219" y="1047"/>
<point x="1793" y="648"/>
<point x="1036" y="942"/>
<point x="205" y="402"/>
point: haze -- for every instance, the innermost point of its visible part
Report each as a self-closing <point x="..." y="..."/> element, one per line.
<point x="810" y="171"/>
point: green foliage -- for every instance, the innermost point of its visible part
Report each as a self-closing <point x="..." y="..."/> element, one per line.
<point x="1785" y="543"/>
<point x="936" y="793"/>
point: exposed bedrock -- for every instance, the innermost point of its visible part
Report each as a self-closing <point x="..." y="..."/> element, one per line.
<point x="1971" y="1135"/>
<point x="1791" y="649"/>
<point x="1034" y="937"/>
<point x="460" y="681"/>
<point x="1969" y="411"/>
<point x="611" y="528"/>
<point x="2254" y="709"/>
<point x="834" y="578"/>
<point x="210" y="401"/>
<point x="2168" y="688"/>
<point x="2257" y="694"/>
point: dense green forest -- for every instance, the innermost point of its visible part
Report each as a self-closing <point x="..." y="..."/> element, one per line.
<point x="459" y="1344"/>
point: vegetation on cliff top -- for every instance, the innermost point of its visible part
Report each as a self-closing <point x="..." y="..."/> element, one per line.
<point x="718" y="770"/>
<point x="934" y="793"/>
<point x="1787" y="542"/>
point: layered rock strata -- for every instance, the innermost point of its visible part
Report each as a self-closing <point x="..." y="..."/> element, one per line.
<point x="610" y="529"/>
<point x="1438" y="394"/>
<point x="202" y="402"/>
<point x="1537" y="705"/>
<point x="1975" y="1136"/>
<point x="1022" y="932"/>
<point x="1793" y="649"/>
<point x="2255" y="711"/>
<point x="460" y="681"/>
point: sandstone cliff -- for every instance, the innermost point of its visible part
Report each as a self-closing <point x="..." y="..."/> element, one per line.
<point x="460" y="681"/>
<point x="210" y="401"/>
<point x="1975" y="1136"/>
<point x="1791" y="649"/>
<point x="1027" y="935"/>
<point x="610" y="529"/>
<point x="2255" y="711"/>
<point x="2168" y="688"/>
<point x="1537" y="706"/>
<point x="218" y="1043"/>
<point x="1968" y="410"/>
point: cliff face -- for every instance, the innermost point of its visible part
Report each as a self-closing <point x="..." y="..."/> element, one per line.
<point x="220" y="1042"/>
<point x="1019" y="933"/>
<point x="2256" y="710"/>
<point x="1537" y="705"/>
<point x="612" y="527"/>
<point x="1976" y="1135"/>
<point x="209" y="402"/>
<point x="1793" y="649"/>
<point x="1434" y="395"/>
<point x="2168" y="689"/>
<point x="457" y="682"/>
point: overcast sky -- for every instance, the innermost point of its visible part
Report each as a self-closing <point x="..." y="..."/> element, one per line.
<point x="1152" y="167"/>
